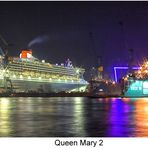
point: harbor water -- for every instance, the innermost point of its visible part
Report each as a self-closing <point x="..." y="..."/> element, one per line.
<point x="73" y="117"/>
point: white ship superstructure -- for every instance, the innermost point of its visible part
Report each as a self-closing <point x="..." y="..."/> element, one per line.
<point x="28" y="74"/>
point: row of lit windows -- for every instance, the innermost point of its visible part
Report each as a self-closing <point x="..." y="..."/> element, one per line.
<point x="43" y="76"/>
<point x="52" y="70"/>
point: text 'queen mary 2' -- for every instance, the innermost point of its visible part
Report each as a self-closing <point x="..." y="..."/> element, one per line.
<point x="28" y="74"/>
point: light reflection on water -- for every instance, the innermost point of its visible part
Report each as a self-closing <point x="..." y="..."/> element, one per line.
<point x="4" y="117"/>
<point x="74" y="116"/>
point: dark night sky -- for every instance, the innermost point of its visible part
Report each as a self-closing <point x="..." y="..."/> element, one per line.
<point x="64" y="29"/>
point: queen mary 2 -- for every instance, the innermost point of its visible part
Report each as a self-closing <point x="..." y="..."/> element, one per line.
<point x="28" y="74"/>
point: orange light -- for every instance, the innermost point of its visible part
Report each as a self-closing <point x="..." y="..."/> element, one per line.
<point x="24" y="53"/>
<point x="106" y="82"/>
<point x="125" y="79"/>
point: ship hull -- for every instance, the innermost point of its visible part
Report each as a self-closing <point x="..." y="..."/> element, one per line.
<point x="41" y="86"/>
<point x="136" y="88"/>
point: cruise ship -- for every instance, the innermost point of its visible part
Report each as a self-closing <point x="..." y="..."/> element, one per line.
<point x="29" y="74"/>
<point x="135" y="84"/>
